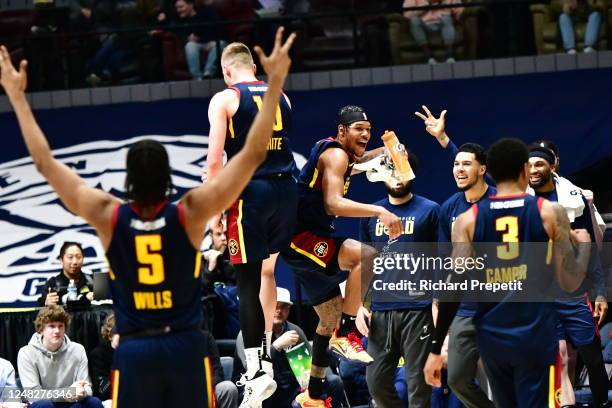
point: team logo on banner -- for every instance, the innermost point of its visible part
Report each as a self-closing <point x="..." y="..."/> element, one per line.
<point x="34" y="223"/>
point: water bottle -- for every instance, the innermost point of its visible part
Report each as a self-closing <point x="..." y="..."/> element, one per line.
<point x="72" y="291"/>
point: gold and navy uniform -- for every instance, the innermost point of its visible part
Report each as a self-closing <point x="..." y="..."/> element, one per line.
<point x="155" y="284"/>
<point x="575" y="316"/>
<point x="516" y="339"/>
<point x="313" y="253"/>
<point x="260" y="222"/>
<point x="280" y="157"/>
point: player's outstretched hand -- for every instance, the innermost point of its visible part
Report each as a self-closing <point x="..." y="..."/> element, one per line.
<point x="13" y="81"/>
<point x="392" y="222"/>
<point x="434" y="126"/>
<point x="433" y="370"/>
<point x="276" y="65"/>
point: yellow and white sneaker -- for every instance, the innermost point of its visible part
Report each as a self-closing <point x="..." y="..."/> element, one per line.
<point x="303" y="400"/>
<point x="349" y="348"/>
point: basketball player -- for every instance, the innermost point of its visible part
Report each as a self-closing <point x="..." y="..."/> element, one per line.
<point x="400" y="321"/>
<point x="260" y="222"/>
<point x="574" y="312"/>
<point x="153" y="246"/>
<point x="318" y="257"/>
<point x="469" y="169"/>
<point x="516" y="339"/>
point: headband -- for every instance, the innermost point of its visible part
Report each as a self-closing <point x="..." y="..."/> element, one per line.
<point x="350" y="117"/>
<point x="543" y="153"/>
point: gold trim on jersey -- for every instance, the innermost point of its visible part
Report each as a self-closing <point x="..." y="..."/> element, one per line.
<point x="241" y="233"/>
<point x="231" y="128"/>
<point x="551" y="387"/>
<point x="549" y="252"/>
<point x="210" y="395"/>
<point x="308" y="255"/>
<point x="314" y="178"/>
<point x="198" y="265"/>
<point x="115" y="388"/>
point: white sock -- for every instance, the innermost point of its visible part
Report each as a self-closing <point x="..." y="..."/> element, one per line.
<point x="252" y="361"/>
<point x="267" y="351"/>
<point x="266" y="367"/>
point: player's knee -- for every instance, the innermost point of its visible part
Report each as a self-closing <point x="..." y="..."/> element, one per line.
<point x="350" y="254"/>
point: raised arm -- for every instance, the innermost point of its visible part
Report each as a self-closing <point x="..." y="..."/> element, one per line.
<point x="570" y="266"/>
<point x="94" y="205"/>
<point x="203" y="202"/>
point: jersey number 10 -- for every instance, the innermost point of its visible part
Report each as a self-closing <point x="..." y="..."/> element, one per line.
<point x="278" y="123"/>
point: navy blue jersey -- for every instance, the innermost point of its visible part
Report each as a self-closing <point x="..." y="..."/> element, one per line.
<point x="311" y="209"/>
<point x="420" y="219"/>
<point x="595" y="277"/>
<point x="280" y="158"/>
<point x="510" y="326"/>
<point x="449" y="211"/>
<point x="155" y="271"/>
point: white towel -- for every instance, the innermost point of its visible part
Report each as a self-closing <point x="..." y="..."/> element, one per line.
<point x="380" y="168"/>
<point x="569" y="196"/>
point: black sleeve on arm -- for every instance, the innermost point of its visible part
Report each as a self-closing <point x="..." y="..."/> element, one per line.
<point x="446" y="314"/>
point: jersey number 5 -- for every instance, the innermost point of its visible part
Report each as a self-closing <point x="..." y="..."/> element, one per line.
<point x="278" y="123"/>
<point x="509" y="225"/>
<point x="151" y="269"/>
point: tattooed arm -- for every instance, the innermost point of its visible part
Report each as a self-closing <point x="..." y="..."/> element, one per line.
<point x="570" y="265"/>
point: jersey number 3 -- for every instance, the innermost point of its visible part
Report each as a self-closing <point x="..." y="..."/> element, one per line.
<point x="151" y="269"/>
<point x="278" y="123"/>
<point x="509" y="225"/>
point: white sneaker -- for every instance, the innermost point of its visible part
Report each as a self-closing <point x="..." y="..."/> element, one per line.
<point x="432" y="61"/>
<point x="571" y="52"/>
<point x="588" y="50"/>
<point x="257" y="389"/>
<point x="450" y="60"/>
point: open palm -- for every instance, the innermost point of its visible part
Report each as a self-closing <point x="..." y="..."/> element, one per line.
<point x="12" y="80"/>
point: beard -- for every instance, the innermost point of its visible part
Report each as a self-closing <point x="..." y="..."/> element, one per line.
<point x="399" y="192"/>
<point x="543" y="180"/>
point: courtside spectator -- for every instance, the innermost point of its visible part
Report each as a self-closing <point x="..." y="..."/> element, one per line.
<point x="51" y="361"/>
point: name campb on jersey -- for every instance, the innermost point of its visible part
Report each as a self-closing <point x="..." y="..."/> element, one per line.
<point x="500" y="205"/>
<point x="506" y="274"/>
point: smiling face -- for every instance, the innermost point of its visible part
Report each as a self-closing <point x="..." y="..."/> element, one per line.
<point x="72" y="261"/>
<point x="540" y="173"/>
<point x="355" y="137"/>
<point x="53" y="335"/>
<point x="467" y="170"/>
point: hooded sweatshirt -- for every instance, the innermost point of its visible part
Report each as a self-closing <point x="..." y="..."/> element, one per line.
<point x="41" y="368"/>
